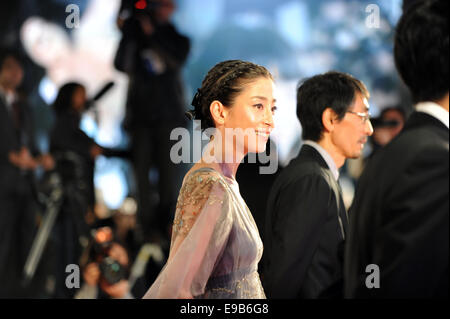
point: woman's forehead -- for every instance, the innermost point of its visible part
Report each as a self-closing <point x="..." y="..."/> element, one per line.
<point x="261" y="87"/>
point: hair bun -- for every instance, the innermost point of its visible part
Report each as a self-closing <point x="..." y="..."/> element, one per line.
<point x="197" y="99"/>
<point x="196" y="103"/>
<point x="190" y="114"/>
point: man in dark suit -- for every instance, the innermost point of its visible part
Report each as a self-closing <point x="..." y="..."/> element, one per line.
<point x="306" y="220"/>
<point x="399" y="236"/>
<point x="152" y="52"/>
<point x="18" y="158"/>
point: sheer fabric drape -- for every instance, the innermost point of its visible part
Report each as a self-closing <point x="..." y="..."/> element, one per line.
<point x="215" y="247"/>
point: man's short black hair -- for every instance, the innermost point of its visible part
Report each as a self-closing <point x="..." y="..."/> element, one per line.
<point x="421" y="49"/>
<point x="333" y="90"/>
<point x="10" y="52"/>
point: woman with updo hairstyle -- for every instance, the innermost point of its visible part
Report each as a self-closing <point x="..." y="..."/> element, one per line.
<point x="215" y="246"/>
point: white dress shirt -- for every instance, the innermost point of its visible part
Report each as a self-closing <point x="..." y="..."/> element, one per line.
<point x="435" y="110"/>
<point x="8" y="98"/>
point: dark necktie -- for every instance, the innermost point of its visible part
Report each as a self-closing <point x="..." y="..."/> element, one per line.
<point x="17" y="116"/>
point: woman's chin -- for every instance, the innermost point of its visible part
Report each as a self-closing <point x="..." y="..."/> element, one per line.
<point x="259" y="148"/>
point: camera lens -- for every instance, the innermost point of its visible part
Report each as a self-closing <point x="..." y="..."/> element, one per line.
<point x="112" y="271"/>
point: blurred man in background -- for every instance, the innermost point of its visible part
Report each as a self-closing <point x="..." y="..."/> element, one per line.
<point x="399" y="219"/>
<point x="19" y="157"/>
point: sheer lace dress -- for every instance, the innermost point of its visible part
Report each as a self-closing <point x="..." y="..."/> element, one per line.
<point x="215" y="246"/>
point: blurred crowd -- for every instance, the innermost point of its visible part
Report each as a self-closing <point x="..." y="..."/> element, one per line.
<point x="52" y="215"/>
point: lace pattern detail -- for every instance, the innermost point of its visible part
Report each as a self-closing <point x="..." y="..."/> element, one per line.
<point x="194" y="195"/>
<point x="246" y="287"/>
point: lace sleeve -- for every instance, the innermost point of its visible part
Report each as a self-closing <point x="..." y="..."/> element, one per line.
<point x="201" y="227"/>
<point x="195" y="194"/>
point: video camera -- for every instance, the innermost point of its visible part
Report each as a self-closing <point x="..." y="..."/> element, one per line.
<point x="137" y="8"/>
<point x="148" y="6"/>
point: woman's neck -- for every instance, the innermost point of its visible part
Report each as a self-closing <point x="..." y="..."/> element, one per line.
<point x="222" y="155"/>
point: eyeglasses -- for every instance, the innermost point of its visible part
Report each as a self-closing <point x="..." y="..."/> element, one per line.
<point x="365" y="117"/>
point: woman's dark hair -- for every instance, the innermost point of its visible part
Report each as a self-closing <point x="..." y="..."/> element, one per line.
<point x="223" y="83"/>
<point x="63" y="101"/>
<point x="421" y="49"/>
<point x="333" y="90"/>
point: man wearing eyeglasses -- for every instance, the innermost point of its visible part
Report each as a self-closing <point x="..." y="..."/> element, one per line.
<point x="306" y="220"/>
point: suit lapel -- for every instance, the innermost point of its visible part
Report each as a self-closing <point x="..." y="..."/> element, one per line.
<point x="310" y="152"/>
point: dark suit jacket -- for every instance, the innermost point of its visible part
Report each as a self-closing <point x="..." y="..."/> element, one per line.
<point x="305" y="228"/>
<point x="399" y="217"/>
<point x="11" y="140"/>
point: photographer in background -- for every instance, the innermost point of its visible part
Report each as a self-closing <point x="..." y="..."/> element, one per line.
<point x="106" y="271"/>
<point x="152" y="53"/>
<point x="75" y="155"/>
<point x="19" y="158"/>
<point x="387" y="126"/>
<point x="145" y="261"/>
<point x="122" y="222"/>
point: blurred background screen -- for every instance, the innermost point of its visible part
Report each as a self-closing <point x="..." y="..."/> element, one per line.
<point x="294" y="39"/>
